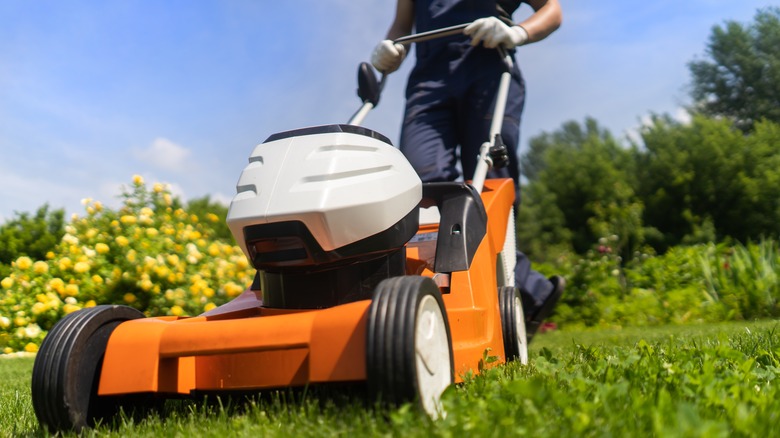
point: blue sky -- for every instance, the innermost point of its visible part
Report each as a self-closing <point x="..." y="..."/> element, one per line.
<point x="179" y="92"/>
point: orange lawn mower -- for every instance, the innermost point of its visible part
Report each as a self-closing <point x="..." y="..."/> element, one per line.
<point x="364" y="275"/>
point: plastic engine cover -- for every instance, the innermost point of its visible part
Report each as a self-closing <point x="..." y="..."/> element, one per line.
<point x="343" y="182"/>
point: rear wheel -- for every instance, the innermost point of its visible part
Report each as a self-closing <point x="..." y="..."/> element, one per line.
<point x="513" y="324"/>
<point x="67" y="368"/>
<point x="409" y="345"/>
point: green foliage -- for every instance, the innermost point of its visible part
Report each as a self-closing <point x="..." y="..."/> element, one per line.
<point x="738" y="77"/>
<point x="687" y="284"/>
<point x="707" y="181"/>
<point x="206" y="208"/>
<point x="584" y="171"/>
<point x="744" y="279"/>
<point x="686" y="184"/>
<point x="31" y="236"/>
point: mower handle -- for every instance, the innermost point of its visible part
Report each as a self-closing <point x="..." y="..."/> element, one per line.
<point x="431" y="34"/>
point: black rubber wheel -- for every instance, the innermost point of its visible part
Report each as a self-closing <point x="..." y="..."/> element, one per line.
<point x="510" y="306"/>
<point x="66" y="371"/>
<point x="409" y="345"/>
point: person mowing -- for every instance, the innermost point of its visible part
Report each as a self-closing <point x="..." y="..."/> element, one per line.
<point x="450" y="95"/>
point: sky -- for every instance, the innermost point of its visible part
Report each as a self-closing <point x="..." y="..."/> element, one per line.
<point x="180" y="92"/>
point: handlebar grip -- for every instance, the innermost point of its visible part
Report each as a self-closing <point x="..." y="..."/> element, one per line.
<point x="431" y="34"/>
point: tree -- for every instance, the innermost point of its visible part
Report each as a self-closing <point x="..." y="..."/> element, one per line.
<point x="740" y="77"/>
<point x="581" y="188"/>
<point x="31" y="236"/>
<point x="706" y="180"/>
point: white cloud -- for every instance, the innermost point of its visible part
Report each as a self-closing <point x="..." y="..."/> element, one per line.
<point x="164" y="154"/>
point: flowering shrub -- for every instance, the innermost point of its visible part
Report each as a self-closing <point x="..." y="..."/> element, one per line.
<point x="687" y="284"/>
<point x="149" y="254"/>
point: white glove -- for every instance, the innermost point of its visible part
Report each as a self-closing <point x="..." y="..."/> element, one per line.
<point x="491" y="32"/>
<point x="387" y="57"/>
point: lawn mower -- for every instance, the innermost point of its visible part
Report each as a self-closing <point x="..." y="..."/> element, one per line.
<point x="364" y="274"/>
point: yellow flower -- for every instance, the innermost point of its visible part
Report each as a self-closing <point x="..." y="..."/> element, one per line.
<point x="8" y="350"/>
<point x="4" y="322"/>
<point x="72" y="290"/>
<point x="232" y="289"/>
<point x="97" y="279"/>
<point x="128" y="219"/>
<point x="70" y="308"/>
<point x="49" y="255"/>
<point x="138" y="180"/>
<point x="209" y="306"/>
<point x="90" y="303"/>
<point x="172" y="259"/>
<point x="24" y="263"/>
<point x="38" y="308"/>
<point x="102" y="248"/>
<point x="151" y="232"/>
<point x="212" y="217"/>
<point x="40" y="267"/>
<point x="7" y="282"/>
<point x="122" y="241"/>
<point x="146" y="284"/>
<point x="58" y="285"/>
<point x="98" y="205"/>
<point x="157" y="187"/>
<point x="81" y="267"/>
<point x="65" y="263"/>
<point x="177" y="310"/>
<point x="31" y="348"/>
<point x="131" y="256"/>
<point x="129" y="298"/>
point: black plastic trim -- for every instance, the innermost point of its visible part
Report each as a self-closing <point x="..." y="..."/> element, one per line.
<point x="327" y="288"/>
<point x="314" y="256"/>
<point x="325" y="129"/>
<point x="462" y="226"/>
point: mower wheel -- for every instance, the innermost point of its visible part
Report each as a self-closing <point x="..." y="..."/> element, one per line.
<point x="67" y="368"/>
<point x="513" y="324"/>
<point x="409" y="345"/>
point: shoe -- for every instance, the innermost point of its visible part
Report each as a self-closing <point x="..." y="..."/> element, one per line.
<point x="537" y="317"/>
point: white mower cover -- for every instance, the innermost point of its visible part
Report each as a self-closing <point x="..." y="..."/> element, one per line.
<point x="343" y="186"/>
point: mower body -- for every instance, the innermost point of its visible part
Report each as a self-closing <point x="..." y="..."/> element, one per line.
<point x="326" y="214"/>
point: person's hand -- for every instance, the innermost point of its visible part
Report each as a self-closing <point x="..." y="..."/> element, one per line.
<point x="491" y="32"/>
<point x="387" y="57"/>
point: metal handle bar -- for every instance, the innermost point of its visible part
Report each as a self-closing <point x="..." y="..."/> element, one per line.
<point x="431" y="34"/>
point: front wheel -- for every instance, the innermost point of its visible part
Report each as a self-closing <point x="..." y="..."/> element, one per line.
<point x="409" y="345"/>
<point x="513" y="324"/>
<point x="66" y="372"/>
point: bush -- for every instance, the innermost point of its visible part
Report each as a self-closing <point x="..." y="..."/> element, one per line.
<point x="31" y="236"/>
<point x="149" y="255"/>
<point x="688" y="284"/>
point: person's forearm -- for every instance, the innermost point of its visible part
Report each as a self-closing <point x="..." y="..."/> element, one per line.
<point x="404" y="20"/>
<point x="546" y="19"/>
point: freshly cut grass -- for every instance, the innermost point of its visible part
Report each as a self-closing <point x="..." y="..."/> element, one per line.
<point x="709" y="380"/>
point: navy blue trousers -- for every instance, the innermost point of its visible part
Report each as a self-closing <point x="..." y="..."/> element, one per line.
<point x="449" y="110"/>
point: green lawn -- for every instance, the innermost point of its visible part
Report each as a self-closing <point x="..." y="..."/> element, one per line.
<point x="711" y="380"/>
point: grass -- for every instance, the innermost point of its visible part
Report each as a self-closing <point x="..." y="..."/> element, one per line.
<point x="707" y="380"/>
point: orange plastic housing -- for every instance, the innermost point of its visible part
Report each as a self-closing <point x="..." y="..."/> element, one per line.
<point x="267" y="348"/>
